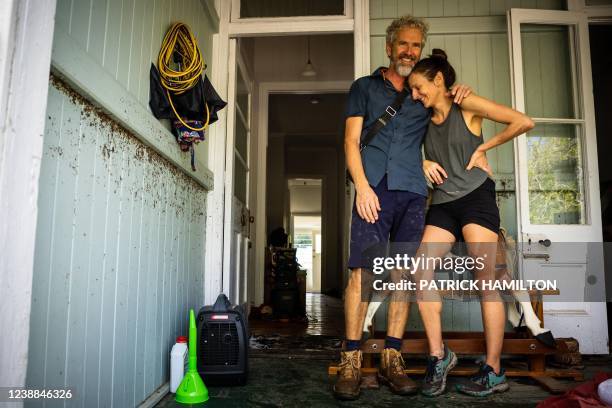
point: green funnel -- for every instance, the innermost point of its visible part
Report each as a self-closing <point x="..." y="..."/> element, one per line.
<point x="192" y="389"/>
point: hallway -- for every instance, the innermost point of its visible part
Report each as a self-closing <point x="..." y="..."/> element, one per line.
<point x="325" y="318"/>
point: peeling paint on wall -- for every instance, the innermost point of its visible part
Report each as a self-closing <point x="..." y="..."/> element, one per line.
<point x="119" y="257"/>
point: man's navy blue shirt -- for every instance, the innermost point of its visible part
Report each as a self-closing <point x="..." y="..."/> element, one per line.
<point x="396" y="148"/>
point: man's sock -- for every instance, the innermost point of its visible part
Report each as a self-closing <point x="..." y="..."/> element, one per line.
<point x="352" y="345"/>
<point x="393" y="342"/>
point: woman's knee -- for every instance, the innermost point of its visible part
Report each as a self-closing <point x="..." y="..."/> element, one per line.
<point x="489" y="295"/>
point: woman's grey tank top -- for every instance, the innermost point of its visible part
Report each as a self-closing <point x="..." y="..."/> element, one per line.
<point x="451" y="144"/>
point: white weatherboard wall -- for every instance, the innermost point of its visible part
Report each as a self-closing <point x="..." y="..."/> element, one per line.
<point x="118" y="259"/>
<point x="474" y="35"/>
<point x="119" y="255"/>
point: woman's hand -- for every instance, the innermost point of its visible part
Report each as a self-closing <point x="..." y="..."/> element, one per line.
<point x="479" y="159"/>
<point x="434" y="172"/>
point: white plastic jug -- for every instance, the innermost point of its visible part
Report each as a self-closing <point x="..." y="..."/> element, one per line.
<point x="178" y="362"/>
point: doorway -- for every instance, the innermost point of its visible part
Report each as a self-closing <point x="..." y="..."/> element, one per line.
<point x="599" y="36"/>
<point x="556" y="162"/>
<point x="282" y="121"/>
<point x="305" y="169"/>
<point x="305" y="205"/>
<point x="282" y="51"/>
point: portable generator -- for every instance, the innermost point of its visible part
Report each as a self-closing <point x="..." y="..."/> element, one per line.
<point x="222" y="343"/>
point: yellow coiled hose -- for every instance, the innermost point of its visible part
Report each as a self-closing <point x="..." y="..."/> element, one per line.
<point x="179" y="39"/>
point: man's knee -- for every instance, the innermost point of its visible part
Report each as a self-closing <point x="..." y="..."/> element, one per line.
<point x="354" y="281"/>
<point x="359" y="280"/>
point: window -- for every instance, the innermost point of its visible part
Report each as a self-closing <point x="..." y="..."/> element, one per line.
<point x="290" y="8"/>
<point x="250" y="9"/>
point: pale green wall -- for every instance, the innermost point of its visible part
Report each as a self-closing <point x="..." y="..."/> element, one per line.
<point x="119" y="255"/>
<point x="124" y="37"/>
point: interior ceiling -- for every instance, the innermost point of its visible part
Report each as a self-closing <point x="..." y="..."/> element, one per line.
<point x="294" y="114"/>
<point x="284" y="58"/>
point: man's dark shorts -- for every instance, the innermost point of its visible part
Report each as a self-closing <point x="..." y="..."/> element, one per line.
<point x="401" y="221"/>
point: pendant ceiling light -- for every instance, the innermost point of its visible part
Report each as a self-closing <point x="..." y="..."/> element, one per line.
<point x="309" y="70"/>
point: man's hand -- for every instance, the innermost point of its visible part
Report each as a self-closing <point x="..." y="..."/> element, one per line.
<point x="434" y="173"/>
<point x="367" y="203"/>
<point x="479" y="159"/>
<point x="459" y="92"/>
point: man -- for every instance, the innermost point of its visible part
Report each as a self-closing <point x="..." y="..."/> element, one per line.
<point x="390" y="196"/>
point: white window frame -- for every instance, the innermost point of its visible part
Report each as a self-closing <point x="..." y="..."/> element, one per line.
<point x="591" y="230"/>
<point x="235" y="15"/>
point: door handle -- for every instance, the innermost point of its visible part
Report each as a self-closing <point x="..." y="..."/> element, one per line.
<point x="544" y="242"/>
<point x="546" y="257"/>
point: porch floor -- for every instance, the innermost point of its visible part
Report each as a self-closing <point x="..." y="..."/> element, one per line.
<point x="288" y="367"/>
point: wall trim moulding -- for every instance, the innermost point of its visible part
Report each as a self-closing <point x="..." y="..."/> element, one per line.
<point x="299" y="26"/>
<point x="450" y="25"/>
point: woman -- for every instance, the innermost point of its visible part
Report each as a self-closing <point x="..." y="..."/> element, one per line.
<point x="463" y="208"/>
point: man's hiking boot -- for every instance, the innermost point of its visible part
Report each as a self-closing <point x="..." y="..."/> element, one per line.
<point x="349" y="375"/>
<point x="391" y="372"/>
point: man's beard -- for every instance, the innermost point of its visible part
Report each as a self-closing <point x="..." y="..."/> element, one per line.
<point x="401" y="69"/>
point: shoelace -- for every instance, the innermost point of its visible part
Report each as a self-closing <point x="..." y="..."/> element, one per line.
<point x="397" y="363"/>
<point x="482" y="377"/>
<point x="351" y="360"/>
<point x="432" y="368"/>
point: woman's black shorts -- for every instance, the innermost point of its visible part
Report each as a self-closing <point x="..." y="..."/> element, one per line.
<point x="478" y="207"/>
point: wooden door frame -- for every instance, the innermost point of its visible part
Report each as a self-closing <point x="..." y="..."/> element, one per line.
<point x="235" y="59"/>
